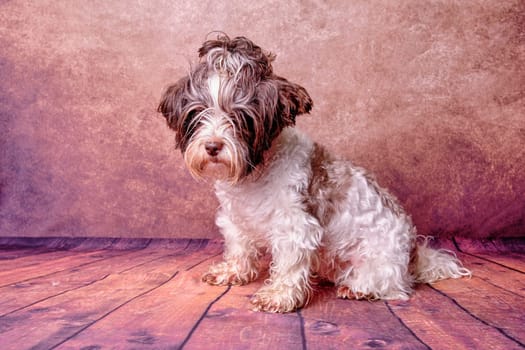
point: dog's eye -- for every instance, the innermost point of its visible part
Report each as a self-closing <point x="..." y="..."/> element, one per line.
<point x="249" y="122"/>
<point x="193" y="113"/>
<point x="242" y="120"/>
<point x="192" y="117"/>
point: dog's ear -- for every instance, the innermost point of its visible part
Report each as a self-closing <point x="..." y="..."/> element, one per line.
<point x="172" y="103"/>
<point x="279" y="102"/>
<point x="293" y="100"/>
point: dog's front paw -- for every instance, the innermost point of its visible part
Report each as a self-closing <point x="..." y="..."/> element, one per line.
<point x="278" y="299"/>
<point x="227" y="274"/>
<point x="345" y="292"/>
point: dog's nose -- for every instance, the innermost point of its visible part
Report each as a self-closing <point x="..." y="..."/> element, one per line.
<point x="213" y="147"/>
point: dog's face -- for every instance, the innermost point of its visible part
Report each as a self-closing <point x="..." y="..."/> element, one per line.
<point x="230" y="108"/>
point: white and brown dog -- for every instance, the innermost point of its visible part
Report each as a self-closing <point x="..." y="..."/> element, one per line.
<point x="280" y="192"/>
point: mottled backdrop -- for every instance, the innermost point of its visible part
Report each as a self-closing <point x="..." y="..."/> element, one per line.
<point x="427" y="94"/>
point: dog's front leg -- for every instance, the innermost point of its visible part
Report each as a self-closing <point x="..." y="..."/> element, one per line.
<point x="294" y="247"/>
<point x="241" y="256"/>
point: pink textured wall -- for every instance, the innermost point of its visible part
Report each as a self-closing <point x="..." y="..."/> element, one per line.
<point x="429" y="95"/>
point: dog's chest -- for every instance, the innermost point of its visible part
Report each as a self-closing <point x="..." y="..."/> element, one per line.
<point x="254" y="207"/>
<point x="260" y="206"/>
<point x="262" y="202"/>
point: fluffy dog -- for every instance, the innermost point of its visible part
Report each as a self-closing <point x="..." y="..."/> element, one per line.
<point x="280" y="192"/>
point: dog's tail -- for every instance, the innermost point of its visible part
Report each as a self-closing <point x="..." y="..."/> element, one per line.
<point x="432" y="265"/>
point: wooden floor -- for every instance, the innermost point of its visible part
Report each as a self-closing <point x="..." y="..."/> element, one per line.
<point x="142" y="294"/>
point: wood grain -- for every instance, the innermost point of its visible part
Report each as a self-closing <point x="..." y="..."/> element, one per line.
<point x="19" y="295"/>
<point x="489" y="304"/>
<point x="497" y="274"/>
<point x="50" y="263"/>
<point x="439" y="323"/>
<point x="164" y="317"/>
<point x="148" y="295"/>
<point x="27" y="259"/>
<point x="513" y="261"/>
<point x="231" y="324"/>
<point x="332" y="323"/>
<point x="8" y="253"/>
<point x="50" y="322"/>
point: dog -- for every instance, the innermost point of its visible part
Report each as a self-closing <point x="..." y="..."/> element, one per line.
<point x="319" y="217"/>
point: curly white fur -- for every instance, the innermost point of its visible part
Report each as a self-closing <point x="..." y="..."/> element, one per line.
<point x="365" y="248"/>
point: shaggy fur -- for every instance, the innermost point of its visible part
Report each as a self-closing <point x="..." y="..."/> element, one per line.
<point x="280" y="192"/>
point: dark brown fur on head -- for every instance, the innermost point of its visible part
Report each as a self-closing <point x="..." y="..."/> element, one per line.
<point x="258" y="102"/>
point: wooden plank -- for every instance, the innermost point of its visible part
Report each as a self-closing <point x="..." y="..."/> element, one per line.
<point x="51" y="322"/>
<point x="75" y="243"/>
<point x="163" y="318"/>
<point x="332" y="323"/>
<point x="45" y="264"/>
<point x="19" y="252"/>
<point x="8" y="253"/>
<point x="490" y="251"/>
<point x="498" y="275"/>
<point x="438" y="321"/>
<point x="54" y="243"/>
<point x="19" y="295"/>
<point x="489" y="304"/>
<point x="514" y="261"/>
<point x="498" y="246"/>
<point x="132" y="300"/>
<point x="16" y="258"/>
<point x="242" y="328"/>
<point x="36" y="258"/>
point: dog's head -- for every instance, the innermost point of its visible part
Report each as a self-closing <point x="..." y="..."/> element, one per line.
<point x="230" y="108"/>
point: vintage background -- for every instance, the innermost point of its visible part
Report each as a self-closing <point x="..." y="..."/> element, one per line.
<point x="429" y="95"/>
